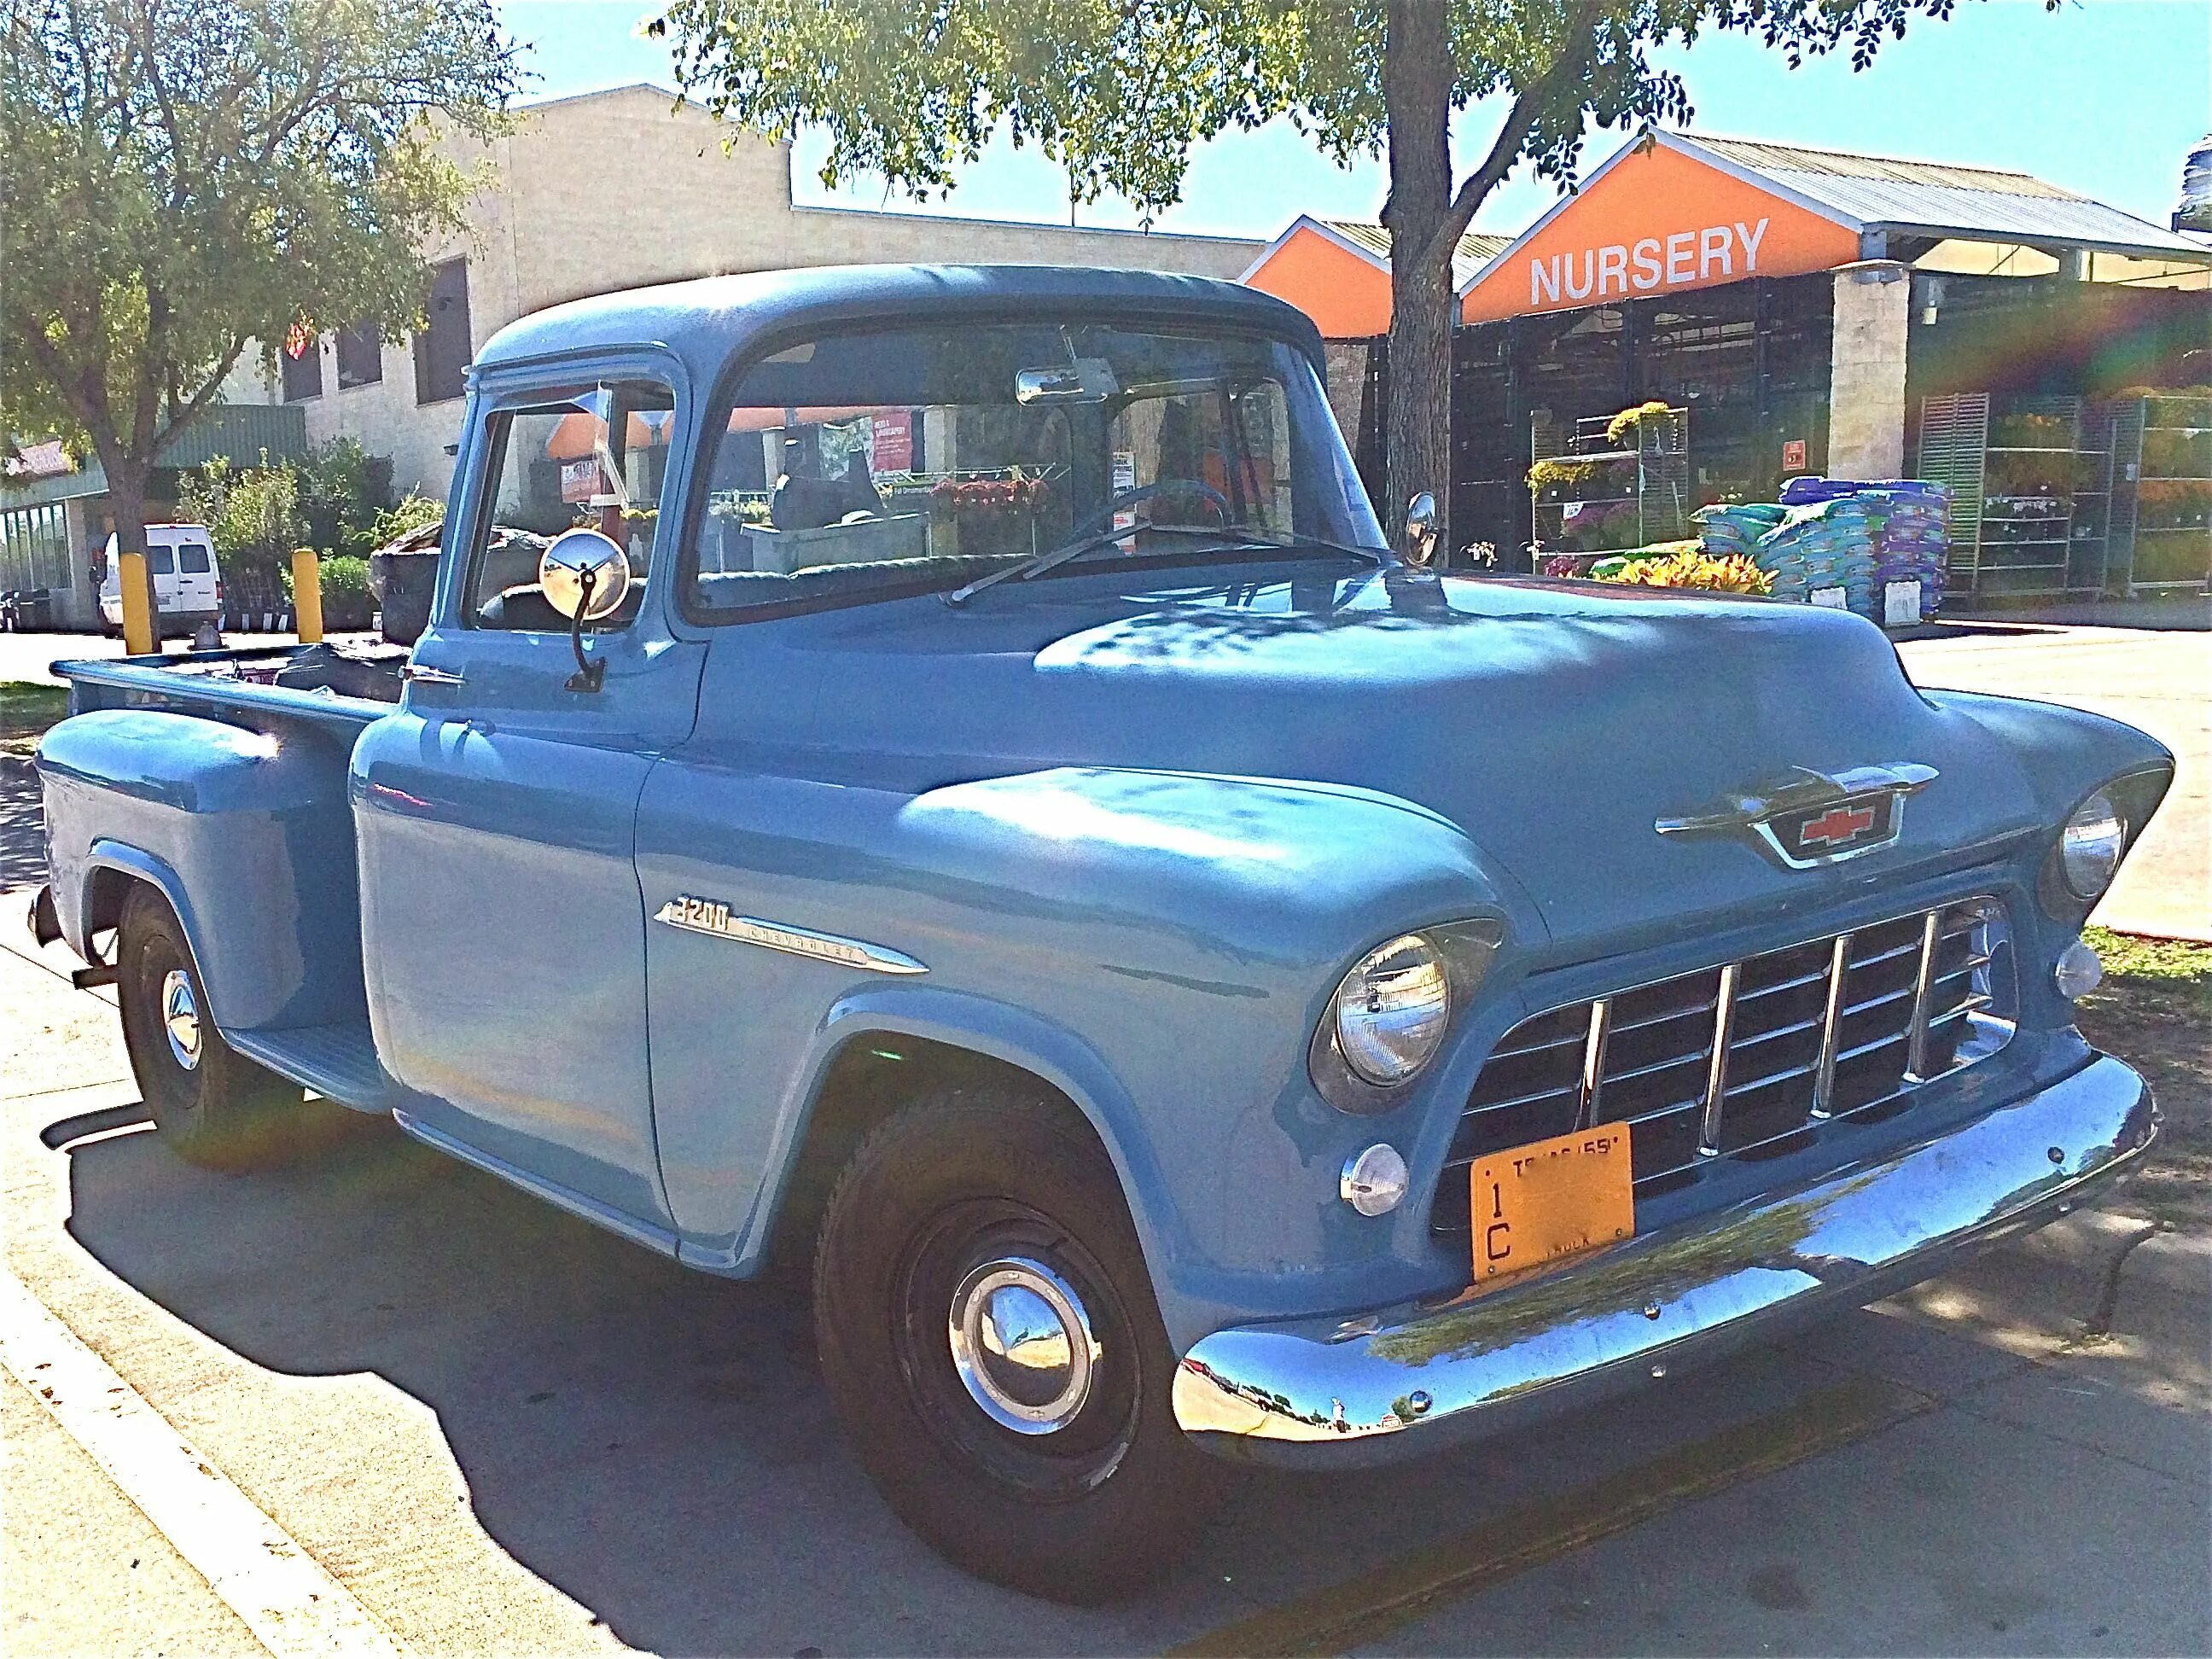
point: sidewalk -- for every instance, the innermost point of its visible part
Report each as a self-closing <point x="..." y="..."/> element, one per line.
<point x="2159" y="679"/>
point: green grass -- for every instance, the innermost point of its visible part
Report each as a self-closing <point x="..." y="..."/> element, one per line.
<point x="28" y="708"/>
<point x="2170" y="964"/>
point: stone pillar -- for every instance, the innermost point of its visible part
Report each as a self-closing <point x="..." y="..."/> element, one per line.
<point x="1866" y="370"/>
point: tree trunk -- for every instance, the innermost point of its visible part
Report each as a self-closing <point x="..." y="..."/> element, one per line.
<point x="126" y="504"/>
<point x="1417" y="82"/>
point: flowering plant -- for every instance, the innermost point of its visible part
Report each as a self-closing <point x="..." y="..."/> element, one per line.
<point x="1733" y="573"/>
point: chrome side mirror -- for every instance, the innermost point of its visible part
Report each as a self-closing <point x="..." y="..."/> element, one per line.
<point x="585" y="576"/>
<point x="1421" y="528"/>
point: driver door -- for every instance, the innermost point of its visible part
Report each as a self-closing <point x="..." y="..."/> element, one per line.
<point x="501" y="921"/>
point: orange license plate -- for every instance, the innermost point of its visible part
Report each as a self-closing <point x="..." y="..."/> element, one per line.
<point x="1550" y="1199"/>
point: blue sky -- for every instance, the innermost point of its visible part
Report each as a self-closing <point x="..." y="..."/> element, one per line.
<point x="2104" y="97"/>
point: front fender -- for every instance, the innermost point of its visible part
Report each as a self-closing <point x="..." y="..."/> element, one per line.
<point x="1158" y="946"/>
<point x="2063" y="752"/>
<point x="959" y="1020"/>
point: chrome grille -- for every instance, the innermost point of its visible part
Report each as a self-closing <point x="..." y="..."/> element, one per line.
<point x="1746" y="1059"/>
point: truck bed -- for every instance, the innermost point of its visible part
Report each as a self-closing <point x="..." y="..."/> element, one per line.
<point x="245" y="682"/>
<point x="206" y="776"/>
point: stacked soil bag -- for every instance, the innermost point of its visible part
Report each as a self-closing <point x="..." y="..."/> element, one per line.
<point x="1906" y="520"/>
<point x="1826" y="545"/>
<point x="1840" y="533"/>
<point x="1722" y="530"/>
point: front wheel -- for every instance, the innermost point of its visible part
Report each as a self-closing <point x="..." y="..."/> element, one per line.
<point x="210" y="1104"/>
<point x="989" y="1337"/>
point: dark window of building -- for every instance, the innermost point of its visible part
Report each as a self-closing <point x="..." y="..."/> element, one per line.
<point x="442" y="350"/>
<point x="303" y="374"/>
<point x="360" y="355"/>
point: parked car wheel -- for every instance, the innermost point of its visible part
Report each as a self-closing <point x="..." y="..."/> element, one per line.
<point x="989" y="1337"/>
<point x="211" y="1105"/>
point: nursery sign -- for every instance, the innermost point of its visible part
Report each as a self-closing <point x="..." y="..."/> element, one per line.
<point x="1682" y="258"/>
<point x="1655" y="219"/>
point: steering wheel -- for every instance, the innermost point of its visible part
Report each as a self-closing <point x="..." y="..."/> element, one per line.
<point x="1212" y="497"/>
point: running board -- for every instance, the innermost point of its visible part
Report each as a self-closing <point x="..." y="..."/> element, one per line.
<point x="337" y="1062"/>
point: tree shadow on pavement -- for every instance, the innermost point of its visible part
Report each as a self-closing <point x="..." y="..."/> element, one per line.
<point x="654" y="1443"/>
<point x="22" y="824"/>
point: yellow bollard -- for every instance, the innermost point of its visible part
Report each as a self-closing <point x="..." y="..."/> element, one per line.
<point x="139" y="636"/>
<point x="308" y="594"/>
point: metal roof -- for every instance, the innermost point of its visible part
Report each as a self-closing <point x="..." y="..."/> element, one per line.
<point x="242" y="434"/>
<point x="1476" y="248"/>
<point x="1937" y="199"/>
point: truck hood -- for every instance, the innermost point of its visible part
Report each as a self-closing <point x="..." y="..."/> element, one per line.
<point x="1553" y="723"/>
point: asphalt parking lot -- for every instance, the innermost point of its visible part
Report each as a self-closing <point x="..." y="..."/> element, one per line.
<point x="486" y="1427"/>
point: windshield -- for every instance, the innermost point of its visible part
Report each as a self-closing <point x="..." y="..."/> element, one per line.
<point x="869" y="464"/>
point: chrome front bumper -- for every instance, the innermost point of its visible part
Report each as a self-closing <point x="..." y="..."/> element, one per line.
<point x="1337" y="1391"/>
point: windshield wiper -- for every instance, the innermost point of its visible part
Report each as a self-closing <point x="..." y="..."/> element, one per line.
<point x="1233" y="539"/>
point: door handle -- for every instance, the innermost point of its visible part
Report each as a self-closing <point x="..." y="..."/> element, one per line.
<point x="416" y="673"/>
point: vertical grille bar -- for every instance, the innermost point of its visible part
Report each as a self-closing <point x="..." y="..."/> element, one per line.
<point x="1708" y="1134"/>
<point x="1832" y="1025"/>
<point x="1593" y="1078"/>
<point x="1915" y="1037"/>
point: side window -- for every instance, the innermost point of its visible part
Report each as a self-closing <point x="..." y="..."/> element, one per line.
<point x="587" y="457"/>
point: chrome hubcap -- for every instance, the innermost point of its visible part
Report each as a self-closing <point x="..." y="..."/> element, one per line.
<point x="180" y="1018"/>
<point x="1022" y="1344"/>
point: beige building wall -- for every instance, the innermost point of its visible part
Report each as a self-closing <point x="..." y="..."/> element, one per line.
<point x="619" y="189"/>
<point x="1865" y="366"/>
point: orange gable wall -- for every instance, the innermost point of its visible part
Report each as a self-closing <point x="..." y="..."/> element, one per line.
<point x="1634" y="210"/>
<point x="1348" y="298"/>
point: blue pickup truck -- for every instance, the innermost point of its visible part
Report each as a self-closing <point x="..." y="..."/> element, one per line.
<point x="934" y="777"/>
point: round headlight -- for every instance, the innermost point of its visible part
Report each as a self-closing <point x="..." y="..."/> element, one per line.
<point x="1392" y="1009"/>
<point x="2090" y="845"/>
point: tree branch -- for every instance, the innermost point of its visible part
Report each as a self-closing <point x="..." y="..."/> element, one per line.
<point x="180" y="419"/>
<point x="1505" y="149"/>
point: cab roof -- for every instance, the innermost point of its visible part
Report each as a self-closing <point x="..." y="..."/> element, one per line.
<point x="708" y="322"/>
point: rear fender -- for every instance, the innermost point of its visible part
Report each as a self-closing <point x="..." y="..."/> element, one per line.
<point x="245" y="833"/>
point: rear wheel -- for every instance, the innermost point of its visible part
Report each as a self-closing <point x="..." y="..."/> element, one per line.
<point x="988" y="1335"/>
<point x="211" y="1105"/>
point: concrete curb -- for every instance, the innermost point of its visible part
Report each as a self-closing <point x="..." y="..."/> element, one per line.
<point x="2089" y="1241"/>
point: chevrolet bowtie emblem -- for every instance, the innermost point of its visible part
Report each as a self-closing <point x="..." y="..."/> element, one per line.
<point x="1813" y="818"/>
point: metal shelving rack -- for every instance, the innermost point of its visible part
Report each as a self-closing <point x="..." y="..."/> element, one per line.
<point x="1659" y="489"/>
<point x="2007" y="540"/>
<point x="2173" y="557"/>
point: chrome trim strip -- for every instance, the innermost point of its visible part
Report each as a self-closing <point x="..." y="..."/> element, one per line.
<point x="1832" y="1025"/>
<point x="698" y="915"/>
<point x="1708" y="1134"/>
<point x="1302" y="1393"/>
<point x="1593" y="1078"/>
<point x="1916" y="1049"/>
<point x="1474" y="1106"/>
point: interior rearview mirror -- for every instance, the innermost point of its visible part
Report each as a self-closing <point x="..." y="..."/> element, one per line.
<point x="1084" y="380"/>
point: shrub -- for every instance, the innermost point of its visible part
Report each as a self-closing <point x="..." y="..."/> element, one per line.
<point x="414" y="513"/>
<point x="252" y="515"/>
<point x="343" y="490"/>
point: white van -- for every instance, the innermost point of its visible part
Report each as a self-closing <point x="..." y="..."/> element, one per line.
<point x="187" y="582"/>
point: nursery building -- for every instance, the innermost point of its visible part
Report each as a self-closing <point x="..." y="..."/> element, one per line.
<point x="1790" y="311"/>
